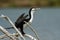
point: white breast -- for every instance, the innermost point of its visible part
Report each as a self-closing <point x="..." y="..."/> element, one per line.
<point x="32" y="12"/>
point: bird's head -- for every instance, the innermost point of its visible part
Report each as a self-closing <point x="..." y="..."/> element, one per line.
<point x="33" y="9"/>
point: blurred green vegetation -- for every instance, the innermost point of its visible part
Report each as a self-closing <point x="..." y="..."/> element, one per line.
<point x="29" y="3"/>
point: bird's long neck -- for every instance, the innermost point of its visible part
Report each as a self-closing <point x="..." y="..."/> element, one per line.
<point x="31" y="16"/>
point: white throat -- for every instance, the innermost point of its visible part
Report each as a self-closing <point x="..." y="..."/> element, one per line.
<point x="32" y="12"/>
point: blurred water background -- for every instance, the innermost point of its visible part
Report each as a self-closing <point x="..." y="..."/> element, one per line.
<point x="46" y="22"/>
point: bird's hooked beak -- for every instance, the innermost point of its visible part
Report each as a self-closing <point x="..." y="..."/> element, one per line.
<point x="37" y="8"/>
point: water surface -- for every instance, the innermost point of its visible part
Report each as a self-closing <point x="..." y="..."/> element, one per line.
<point x="46" y="21"/>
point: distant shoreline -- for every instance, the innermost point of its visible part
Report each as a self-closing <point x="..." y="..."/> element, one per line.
<point x="29" y="3"/>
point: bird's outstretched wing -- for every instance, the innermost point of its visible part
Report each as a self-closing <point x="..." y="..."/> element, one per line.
<point x="21" y="18"/>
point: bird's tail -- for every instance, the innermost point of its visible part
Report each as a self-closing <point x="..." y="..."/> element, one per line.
<point x="9" y="28"/>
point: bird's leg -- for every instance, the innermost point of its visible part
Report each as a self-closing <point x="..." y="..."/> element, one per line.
<point x="21" y="30"/>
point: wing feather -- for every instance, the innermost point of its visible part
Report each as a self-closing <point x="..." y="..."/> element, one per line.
<point x="21" y="18"/>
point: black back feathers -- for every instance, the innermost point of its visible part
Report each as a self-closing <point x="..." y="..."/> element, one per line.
<point x="21" y="18"/>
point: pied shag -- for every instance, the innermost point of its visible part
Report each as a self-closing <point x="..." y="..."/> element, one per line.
<point x="20" y="24"/>
<point x="20" y="21"/>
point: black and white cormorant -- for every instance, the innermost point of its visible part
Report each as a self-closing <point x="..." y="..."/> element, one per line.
<point x="20" y="24"/>
<point x="20" y="21"/>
